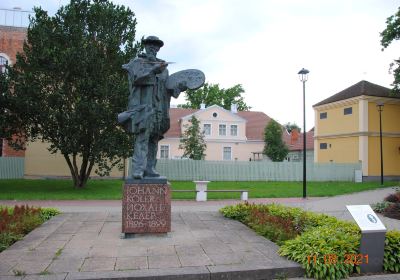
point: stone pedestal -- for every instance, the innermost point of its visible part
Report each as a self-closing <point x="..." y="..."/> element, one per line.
<point x="146" y="208"/>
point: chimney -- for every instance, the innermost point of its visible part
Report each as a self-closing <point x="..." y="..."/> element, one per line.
<point x="294" y="136"/>
<point x="202" y="106"/>
<point x="234" y="108"/>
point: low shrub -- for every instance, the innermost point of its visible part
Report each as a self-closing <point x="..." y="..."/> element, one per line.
<point x="7" y="239"/>
<point x="15" y="222"/>
<point x="394" y="197"/>
<point x="324" y="251"/>
<point x="392" y="211"/>
<point x="325" y="246"/>
<point x="48" y="213"/>
<point x="237" y="212"/>
<point x="380" y="206"/>
<point x="391" y="260"/>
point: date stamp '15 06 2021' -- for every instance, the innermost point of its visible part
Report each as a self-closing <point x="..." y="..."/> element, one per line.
<point x="332" y="259"/>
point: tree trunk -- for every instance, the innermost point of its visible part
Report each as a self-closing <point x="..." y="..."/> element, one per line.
<point x="80" y="175"/>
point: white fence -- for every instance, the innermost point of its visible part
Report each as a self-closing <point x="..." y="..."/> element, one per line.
<point x="188" y="170"/>
<point x="11" y="167"/>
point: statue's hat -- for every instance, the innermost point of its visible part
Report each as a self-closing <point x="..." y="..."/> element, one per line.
<point x="153" y="40"/>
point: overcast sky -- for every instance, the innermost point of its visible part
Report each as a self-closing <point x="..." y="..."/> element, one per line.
<point x="262" y="44"/>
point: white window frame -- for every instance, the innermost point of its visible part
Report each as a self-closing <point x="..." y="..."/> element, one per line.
<point x="168" y="154"/>
<point x="223" y="153"/>
<point x="205" y="130"/>
<point x="7" y="58"/>
<point x="219" y="129"/>
<point x="236" y="129"/>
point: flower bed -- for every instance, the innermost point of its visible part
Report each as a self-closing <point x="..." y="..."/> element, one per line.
<point x="326" y="247"/>
<point x="16" y="222"/>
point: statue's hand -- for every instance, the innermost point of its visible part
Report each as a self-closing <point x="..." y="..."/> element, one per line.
<point x="160" y="67"/>
<point x="182" y="86"/>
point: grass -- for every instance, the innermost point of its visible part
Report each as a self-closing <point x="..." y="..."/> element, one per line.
<point x="24" y="189"/>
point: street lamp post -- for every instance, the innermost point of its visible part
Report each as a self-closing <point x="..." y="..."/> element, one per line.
<point x="379" y="106"/>
<point x="303" y="75"/>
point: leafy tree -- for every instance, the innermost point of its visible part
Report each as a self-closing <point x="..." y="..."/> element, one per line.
<point x="274" y="147"/>
<point x="290" y="126"/>
<point x="211" y="94"/>
<point x="68" y="86"/>
<point x="192" y="141"/>
<point x="390" y="34"/>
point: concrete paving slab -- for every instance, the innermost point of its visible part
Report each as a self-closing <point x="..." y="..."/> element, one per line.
<point x="58" y="276"/>
<point x="31" y="266"/>
<point x="130" y="263"/>
<point x="189" y="249"/>
<point x="195" y="260"/>
<point x="223" y="259"/>
<point x="99" y="264"/>
<point x="163" y="250"/>
<point x="165" y="261"/>
<point x="66" y="265"/>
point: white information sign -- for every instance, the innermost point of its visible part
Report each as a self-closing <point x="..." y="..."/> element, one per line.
<point x="366" y="218"/>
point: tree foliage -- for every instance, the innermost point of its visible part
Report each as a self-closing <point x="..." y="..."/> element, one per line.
<point x="192" y="141"/>
<point x="290" y="126"/>
<point x="68" y="86"/>
<point x="274" y="147"/>
<point x="390" y="34"/>
<point x="212" y="94"/>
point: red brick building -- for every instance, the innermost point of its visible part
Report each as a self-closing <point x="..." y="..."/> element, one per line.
<point x="11" y="42"/>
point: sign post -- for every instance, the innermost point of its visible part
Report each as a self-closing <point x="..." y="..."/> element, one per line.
<point x="372" y="237"/>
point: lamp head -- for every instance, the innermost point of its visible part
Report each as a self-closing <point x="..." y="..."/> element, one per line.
<point x="303" y="75"/>
<point x="379" y="106"/>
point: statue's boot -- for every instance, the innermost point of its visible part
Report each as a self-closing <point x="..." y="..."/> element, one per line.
<point x="138" y="174"/>
<point x="151" y="172"/>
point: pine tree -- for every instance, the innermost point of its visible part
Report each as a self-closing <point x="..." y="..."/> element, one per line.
<point x="274" y="148"/>
<point x="192" y="141"/>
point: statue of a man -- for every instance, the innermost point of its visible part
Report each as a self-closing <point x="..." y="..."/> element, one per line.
<point x="147" y="116"/>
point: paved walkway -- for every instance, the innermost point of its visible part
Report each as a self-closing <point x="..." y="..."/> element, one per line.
<point x="85" y="243"/>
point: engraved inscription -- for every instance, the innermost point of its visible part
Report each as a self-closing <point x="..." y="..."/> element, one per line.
<point x="146" y="208"/>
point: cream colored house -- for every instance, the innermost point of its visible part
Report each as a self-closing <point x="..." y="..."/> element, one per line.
<point x="229" y="135"/>
<point x="347" y="129"/>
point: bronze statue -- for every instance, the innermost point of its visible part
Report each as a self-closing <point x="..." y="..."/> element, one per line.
<point x="147" y="117"/>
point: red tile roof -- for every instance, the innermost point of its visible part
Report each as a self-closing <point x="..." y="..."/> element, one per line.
<point x="255" y="125"/>
<point x="256" y="122"/>
<point x="175" y="115"/>
<point x="297" y="145"/>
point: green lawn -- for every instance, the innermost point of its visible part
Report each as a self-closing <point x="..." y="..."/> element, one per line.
<point x="112" y="189"/>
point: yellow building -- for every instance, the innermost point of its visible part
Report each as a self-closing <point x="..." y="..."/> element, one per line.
<point x="347" y="129"/>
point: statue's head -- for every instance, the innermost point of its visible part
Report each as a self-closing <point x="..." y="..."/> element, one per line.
<point x="152" y="45"/>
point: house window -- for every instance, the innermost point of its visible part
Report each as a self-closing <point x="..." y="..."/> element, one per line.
<point x="348" y="111"/>
<point x="323" y="146"/>
<point x="234" y="130"/>
<point x="323" y="115"/>
<point x="164" y="151"/>
<point x="3" y="64"/>
<point x="227" y="153"/>
<point x="207" y="129"/>
<point x="222" y="129"/>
